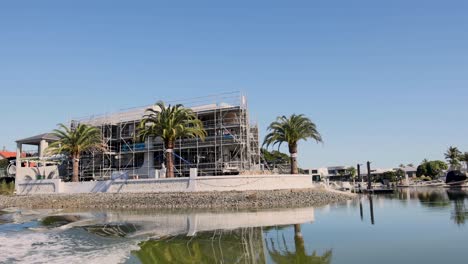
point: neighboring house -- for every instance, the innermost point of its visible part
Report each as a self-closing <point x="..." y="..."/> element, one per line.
<point x="409" y="171"/>
<point x="9" y="155"/>
<point x="336" y="173"/>
<point x="6" y="155"/>
<point x="317" y="173"/>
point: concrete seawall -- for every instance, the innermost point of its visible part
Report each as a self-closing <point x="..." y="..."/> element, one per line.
<point x="189" y="184"/>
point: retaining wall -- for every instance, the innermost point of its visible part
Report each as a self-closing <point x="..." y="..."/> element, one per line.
<point x="189" y="184"/>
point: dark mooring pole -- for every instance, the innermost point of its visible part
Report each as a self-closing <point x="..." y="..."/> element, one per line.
<point x="359" y="172"/>
<point x="369" y="183"/>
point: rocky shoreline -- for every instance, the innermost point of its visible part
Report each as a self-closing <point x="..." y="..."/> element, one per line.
<point x="246" y="199"/>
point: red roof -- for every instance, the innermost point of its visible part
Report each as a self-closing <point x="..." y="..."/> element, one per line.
<point x="9" y="154"/>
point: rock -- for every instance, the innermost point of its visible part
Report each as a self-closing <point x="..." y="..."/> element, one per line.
<point x="250" y="199"/>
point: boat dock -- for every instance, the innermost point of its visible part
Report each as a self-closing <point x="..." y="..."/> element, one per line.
<point x="375" y="191"/>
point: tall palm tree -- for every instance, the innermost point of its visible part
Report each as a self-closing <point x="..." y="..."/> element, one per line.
<point x="464" y="158"/>
<point x="291" y="130"/>
<point x="75" y="141"/>
<point x="170" y="123"/>
<point x="453" y="157"/>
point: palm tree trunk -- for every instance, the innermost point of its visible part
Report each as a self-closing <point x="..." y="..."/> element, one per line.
<point x="293" y="153"/>
<point x="170" y="160"/>
<point x="76" y="168"/>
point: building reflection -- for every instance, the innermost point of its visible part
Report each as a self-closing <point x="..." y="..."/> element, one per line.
<point x="204" y="236"/>
<point x="225" y="237"/>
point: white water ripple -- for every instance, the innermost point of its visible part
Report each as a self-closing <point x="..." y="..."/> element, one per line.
<point x="57" y="247"/>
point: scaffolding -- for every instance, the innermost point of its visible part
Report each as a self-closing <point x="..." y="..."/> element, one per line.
<point x="231" y="146"/>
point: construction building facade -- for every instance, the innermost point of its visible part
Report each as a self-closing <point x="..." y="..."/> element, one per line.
<point x="231" y="146"/>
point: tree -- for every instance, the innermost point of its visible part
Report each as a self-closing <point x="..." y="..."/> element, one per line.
<point x="3" y="166"/>
<point x="291" y="130"/>
<point x="170" y="123"/>
<point x="422" y="169"/>
<point x="431" y="169"/>
<point x="352" y="173"/>
<point x="453" y="155"/>
<point x="410" y="165"/>
<point x="4" y="163"/>
<point x="390" y="176"/>
<point x="274" y="157"/>
<point x="464" y="158"/>
<point x="400" y="174"/>
<point x="75" y="141"/>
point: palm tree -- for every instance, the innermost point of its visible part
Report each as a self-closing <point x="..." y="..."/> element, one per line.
<point x="291" y="130"/>
<point x="453" y="157"/>
<point x="75" y="141"/>
<point x="352" y="173"/>
<point x="170" y="123"/>
<point x="464" y="158"/>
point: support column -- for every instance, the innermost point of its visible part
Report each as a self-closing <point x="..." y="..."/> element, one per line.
<point x="193" y="180"/>
<point x="18" y="177"/>
<point x="42" y="148"/>
<point x="149" y="159"/>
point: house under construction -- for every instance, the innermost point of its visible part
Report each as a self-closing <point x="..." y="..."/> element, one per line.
<point x="231" y="145"/>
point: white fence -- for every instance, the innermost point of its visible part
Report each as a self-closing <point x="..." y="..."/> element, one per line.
<point x="192" y="184"/>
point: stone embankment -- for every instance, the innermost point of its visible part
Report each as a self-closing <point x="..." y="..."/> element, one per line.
<point x="245" y="199"/>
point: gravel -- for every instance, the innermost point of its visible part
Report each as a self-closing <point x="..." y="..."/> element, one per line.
<point x="245" y="199"/>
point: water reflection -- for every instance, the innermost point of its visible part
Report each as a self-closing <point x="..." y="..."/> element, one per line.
<point x="371" y="208"/>
<point x="237" y="246"/>
<point x="280" y="253"/>
<point x="291" y="235"/>
<point x="242" y="239"/>
<point x="459" y="213"/>
<point x="431" y="198"/>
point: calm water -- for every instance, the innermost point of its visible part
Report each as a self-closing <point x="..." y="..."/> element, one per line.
<point x="411" y="226"/>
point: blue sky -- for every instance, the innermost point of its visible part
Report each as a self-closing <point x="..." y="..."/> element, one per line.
<point x="385" y="81"/>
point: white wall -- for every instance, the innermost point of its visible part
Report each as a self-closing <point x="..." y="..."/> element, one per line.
<point x="193" y="184"/>
<point x="38" y="187"/>
<point x="30" y="173"/>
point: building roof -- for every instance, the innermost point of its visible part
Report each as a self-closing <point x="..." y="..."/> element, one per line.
<point x="35" y="140"/>
<point x="7" y="154"/>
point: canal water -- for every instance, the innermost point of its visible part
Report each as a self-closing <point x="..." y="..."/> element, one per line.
<point x="410" y="226"/>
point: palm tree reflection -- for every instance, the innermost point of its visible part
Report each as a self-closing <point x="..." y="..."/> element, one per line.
<point x="238" y="246"/>
<point x="280" y="253"/>
<point x="460" y="213"/>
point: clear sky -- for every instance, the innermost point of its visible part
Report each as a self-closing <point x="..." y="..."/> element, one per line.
<point x="385" y="81"/>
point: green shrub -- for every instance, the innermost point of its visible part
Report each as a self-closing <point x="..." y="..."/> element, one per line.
<point x="7" y="188"/>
